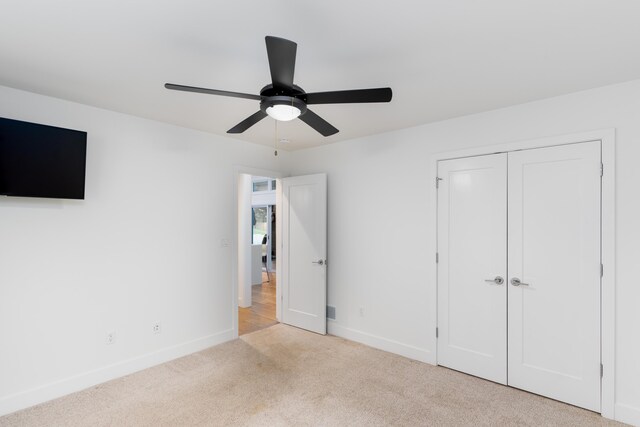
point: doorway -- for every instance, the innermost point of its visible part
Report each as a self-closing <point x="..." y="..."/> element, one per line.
<point x="520" y="269"/>
<point x="257" y="307"/>
<point x="298" y="271"/>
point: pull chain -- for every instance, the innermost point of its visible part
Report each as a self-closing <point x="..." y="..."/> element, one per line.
<point x="275" y="153"/>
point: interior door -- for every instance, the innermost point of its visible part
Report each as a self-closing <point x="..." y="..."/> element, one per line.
<point x="472" y="266"/>
<point x="554" y="272"/>
<point x="304" y="252"/>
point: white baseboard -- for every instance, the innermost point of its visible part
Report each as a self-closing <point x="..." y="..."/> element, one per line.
<point x="381" y="343"/>
<point x="627" y="414"/>
<point x="34" y="396"/>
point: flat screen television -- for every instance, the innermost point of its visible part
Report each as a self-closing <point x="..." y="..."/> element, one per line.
<point x="41" y="161"/>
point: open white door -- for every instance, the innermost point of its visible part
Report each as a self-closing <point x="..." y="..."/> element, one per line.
<point x="304" y="252"/>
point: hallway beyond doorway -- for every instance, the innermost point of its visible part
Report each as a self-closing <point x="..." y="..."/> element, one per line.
<point x="262" y="312"/>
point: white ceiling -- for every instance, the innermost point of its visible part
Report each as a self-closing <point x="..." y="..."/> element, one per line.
<point x="441" y="58"/>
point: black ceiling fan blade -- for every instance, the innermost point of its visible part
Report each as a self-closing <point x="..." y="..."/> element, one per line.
<point x="318" y="123"/>
<point x="211" y="91"/>
<point x="282" y="61"/>
<point x="383" y="94"/>
<point x="248" y="122"/>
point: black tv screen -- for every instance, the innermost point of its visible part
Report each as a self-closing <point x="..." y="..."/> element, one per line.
<point x="41" y="161"/>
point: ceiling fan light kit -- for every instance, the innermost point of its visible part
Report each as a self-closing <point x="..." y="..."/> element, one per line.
<point x="284" y="101"/>
<point x="283" y="108"/>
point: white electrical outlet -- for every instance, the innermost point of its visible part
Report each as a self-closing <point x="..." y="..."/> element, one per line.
<point x="157" y="328"/>
<point x="361" y="311"/>
<point x="111" y="337"/>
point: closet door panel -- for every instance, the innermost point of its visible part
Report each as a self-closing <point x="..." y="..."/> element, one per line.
<point x="554" y="251"/>
<point x="472" y="208"/>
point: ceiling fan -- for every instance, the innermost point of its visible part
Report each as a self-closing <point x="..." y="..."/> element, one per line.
<point x="285" y="101"/>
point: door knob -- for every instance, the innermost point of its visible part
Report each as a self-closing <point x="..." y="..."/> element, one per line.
<point x="516" y="282"/>
<point x="321" y="262"/>
<point x="498" y="280"/>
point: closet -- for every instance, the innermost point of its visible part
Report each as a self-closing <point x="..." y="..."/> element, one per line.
<point x="519" y="269"/>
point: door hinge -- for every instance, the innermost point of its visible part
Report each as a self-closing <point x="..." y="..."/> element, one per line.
<point x="601" y="170"/>
<point x="601" y="370"/>
<point x="437" y="257"/>
<point x="436" y="332"/>
<point x="438" y="182"/>
<point x="601" y="270"/>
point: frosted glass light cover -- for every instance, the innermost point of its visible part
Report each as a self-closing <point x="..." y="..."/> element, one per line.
<point x="283" y="112"/>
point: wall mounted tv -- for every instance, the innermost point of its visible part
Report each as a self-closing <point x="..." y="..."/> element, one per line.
<point x="41" y="161"/>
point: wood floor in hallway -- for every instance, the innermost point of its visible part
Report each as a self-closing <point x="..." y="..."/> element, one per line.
<point x="262" y="312"/>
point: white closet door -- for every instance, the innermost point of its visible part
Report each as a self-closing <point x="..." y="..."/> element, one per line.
<point x="554" y="250"/>
<point x="472" y="308"/>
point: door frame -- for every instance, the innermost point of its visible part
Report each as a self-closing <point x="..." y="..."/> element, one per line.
<point x="235" y="274"/>
<point x="607" y="234"/>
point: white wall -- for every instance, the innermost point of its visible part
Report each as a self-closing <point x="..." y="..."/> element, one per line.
<point x="381" y="238"/>
<point x="144" y="247"/>
<point x="245" y="236"/>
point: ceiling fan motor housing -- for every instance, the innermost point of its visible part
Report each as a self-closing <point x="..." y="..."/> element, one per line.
<point x="272" y="96"/>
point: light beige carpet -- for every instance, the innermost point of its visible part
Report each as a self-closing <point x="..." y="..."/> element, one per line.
<point x="285" y="376"/>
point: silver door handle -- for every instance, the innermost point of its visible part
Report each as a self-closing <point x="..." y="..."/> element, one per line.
<point x="321" y="262"/>
<point x="498" y="280"/>
<point x="516" y="282"/>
